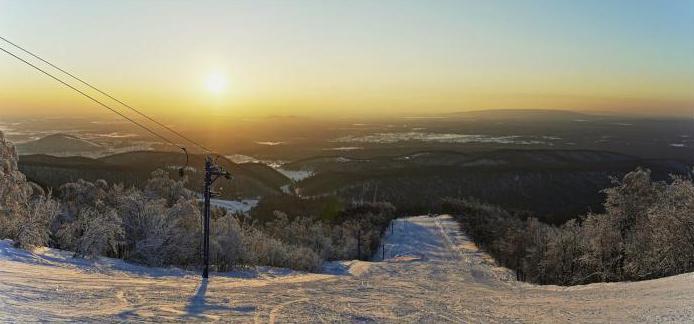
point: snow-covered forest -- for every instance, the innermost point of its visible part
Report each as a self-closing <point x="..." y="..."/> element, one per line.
<point x="426" y="257"/>
<point x="160" y="224"/>
<point x="646" y="232"/>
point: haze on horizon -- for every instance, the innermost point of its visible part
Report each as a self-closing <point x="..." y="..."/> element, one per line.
<point x="353" y="58"/>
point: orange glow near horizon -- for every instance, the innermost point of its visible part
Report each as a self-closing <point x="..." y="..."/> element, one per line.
<point x="355" y="58"/>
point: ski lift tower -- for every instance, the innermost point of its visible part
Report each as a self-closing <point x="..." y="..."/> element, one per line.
<point x="212" y="173"/>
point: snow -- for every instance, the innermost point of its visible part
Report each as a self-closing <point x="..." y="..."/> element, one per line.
<point x="270" y="143"/>
<point x="235" y="206"/>
<point x="295" y="175"/>
<point x="241" y="158"/>
<point x="55" y="258"/>
<point x="343" y="148"/>
<point x="431" y="273"/>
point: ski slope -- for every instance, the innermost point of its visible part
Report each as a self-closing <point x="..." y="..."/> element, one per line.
<point x="431" y="273"/>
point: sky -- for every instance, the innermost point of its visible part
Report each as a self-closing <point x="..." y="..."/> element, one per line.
<point x="353" y="58"/>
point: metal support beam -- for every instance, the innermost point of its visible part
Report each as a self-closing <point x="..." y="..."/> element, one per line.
<point x="206" y="216"/>
<point x="212" y="173"/>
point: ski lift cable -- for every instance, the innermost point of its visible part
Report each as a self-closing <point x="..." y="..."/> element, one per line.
<point x="109" y="96"/>
<point x="216" y="171"/>
<point x="94" y="99"/>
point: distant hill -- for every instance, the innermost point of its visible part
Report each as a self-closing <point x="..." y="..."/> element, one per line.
<point x="134" y="168"/>
<point x="524" y="114"/>
<point x="554" y="184"/>
<point x="249" y="178"/>
<point x="505" y="158"/>
<point x="58" y="143"/>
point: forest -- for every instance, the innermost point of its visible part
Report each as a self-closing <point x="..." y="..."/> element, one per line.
<point x="645" y="232"/>
<point x="160" y="224"/>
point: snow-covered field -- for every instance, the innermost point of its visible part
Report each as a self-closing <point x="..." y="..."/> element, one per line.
<point x="431" y="273"/>
<point x="295" y="175"/>
<point x="235" y="206"/>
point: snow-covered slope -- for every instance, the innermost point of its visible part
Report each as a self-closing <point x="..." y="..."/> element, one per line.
<point x="431" y="273"/>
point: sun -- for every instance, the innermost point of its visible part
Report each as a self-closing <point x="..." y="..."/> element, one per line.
<point x="216" y="83"/>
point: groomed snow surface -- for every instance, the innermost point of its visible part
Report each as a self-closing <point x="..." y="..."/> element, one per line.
<point x="431" y="273"/>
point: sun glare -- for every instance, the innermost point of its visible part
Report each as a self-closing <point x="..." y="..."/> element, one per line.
<point x="216" y="83"/>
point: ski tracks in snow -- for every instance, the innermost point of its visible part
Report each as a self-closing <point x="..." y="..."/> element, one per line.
<point x="432" y="273"/>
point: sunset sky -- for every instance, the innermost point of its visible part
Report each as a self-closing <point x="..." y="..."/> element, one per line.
<point x="353" y="58"/>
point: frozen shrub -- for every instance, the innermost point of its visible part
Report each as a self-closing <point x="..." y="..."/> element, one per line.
<point x="66" y="234"/>
<point x="149" y="230"/>
<point x="33" y="230"/>
<point x="160" y="185"/>
<point x="102" y="232"/>
<point x="183" y="237"/>
<point x="225" y="243"/>
<point x="303" y="258"/>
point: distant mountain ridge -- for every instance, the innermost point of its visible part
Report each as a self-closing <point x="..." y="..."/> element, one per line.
<point x="535" y="114"/>
<point x="134" y="168"/>
<point x="58" y="143"/>
<point x="554" y="184"/>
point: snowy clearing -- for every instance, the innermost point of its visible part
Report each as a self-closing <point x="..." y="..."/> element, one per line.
<point x="235" y="206"/>
<point x="431" y="273"/>
<point x="295" y="175"/>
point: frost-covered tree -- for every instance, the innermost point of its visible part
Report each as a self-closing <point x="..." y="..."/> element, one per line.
<point x="646" y="232"/>
<point x="13" y="190"/>
<point x="102" y="231"/>
<point x="226" y="243"/>
<point x="603" y="248"/>
<point x="79" y="193"/>
<point x="670" y="232"/>
<point x="160" y="185"/>
<point x="183" y="240"/>
<point x="33" y="230"/>
<point x="26" y="212"/>
<point x="628" y="201"/>
<point x="148" y="231"/>
<point x="564" y="250"/>
<point x="160" y="224"/>
<point x="535" y="247"/>
<point x="261" y="249"/>
<point x="156" y="234"/>
<point x="305" y="232"/>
